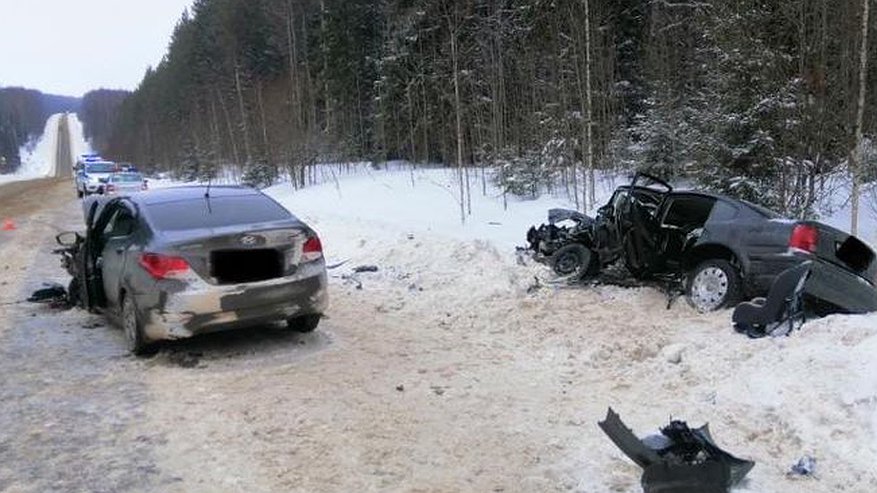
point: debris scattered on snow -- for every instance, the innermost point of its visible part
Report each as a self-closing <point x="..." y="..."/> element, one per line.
<point x="805" y="466"/>
<point x="365" y="268"/>
<point x="53" y="294"/>
<point x="680" y="459"/>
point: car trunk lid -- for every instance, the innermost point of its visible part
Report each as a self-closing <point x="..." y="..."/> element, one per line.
<point x="234" y="256"/>
<point x="841" y="249"/>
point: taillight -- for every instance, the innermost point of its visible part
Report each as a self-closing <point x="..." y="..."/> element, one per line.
<point x="163" y="266"/>
<point x="804" y="238"/>
<point x="312" y="249"/>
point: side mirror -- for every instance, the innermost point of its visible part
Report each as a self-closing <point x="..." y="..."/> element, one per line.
<point x="68" y="238"/>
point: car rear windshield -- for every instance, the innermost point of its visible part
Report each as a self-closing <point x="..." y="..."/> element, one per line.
<point x="100" y="167"/>
<point x="128" y="178"/>
<point x="214" y="213"/>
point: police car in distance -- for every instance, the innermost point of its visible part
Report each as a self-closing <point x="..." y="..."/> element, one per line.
<point x="92" y="175"/>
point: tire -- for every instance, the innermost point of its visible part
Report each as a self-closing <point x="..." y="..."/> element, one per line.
<point x="571" y="259"/>
<point x="712" y="285"/>
<point x="133" y="328"/>
<point x="304" y="323"/>
<point x="78" y="193"/>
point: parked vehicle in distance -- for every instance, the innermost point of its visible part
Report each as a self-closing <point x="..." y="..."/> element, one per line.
<point x="128" y="167"/>
<point x="124" y="184"/>
<point x="183" y="261"/>
<point x="90" y="178"/>
<point x="725" y="248"/>
<point x="86" y="158"/>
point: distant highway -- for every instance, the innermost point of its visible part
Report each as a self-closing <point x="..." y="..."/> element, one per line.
<point x="63" y="158"/>
<point x="21" y="200"/>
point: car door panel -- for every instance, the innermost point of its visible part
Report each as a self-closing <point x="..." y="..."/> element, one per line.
<point x="118" y="237"/>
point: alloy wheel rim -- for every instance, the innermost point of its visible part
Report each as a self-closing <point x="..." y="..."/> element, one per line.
<point x="709" y="289"/>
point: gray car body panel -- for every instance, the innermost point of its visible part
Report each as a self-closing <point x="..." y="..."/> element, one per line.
<point x="194" y="303"/>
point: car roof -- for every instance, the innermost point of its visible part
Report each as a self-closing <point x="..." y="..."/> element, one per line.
<point x="764" y="211"/>
<point x="190" y="192"/>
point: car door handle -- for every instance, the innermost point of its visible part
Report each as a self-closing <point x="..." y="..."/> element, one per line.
<point x="120" y="250"/>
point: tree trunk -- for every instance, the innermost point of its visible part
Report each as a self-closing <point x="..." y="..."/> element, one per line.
<point x="268" y="154"/>
<point x="856" y="155"/>
<point x="590" y="153"/>
<point x="459" y="126"/>
<point x="245" y="126"/>
<point x="324" y="49"/>
<point x="227" y="114"/>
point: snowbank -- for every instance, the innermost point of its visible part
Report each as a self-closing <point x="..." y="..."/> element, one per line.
<point x="78" y="144"/>
<point x="549" y="356"/>
<point x="426" y="200"/>
<point x="38" y="159"/>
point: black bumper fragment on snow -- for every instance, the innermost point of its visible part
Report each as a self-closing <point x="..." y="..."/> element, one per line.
<point x="679" y="460"/>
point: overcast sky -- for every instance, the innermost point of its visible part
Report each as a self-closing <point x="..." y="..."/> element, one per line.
<point x="70" y="47"/>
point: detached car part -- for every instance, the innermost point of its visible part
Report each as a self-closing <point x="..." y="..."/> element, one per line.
<point x="679" y="460"/>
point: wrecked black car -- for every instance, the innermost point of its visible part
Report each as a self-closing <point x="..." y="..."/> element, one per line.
<point x="721" y="249"/>
<point x="183" y="261"/>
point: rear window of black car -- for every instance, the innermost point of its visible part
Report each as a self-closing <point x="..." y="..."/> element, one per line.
<point x="214" y="213"/>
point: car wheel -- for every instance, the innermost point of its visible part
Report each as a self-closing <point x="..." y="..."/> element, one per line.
<point x="304" y="323"/>
<point x="712" y="285"/>
<point x="570" y="259"/>
<point x="133" y="328"/>
<point x="79" y="193"/>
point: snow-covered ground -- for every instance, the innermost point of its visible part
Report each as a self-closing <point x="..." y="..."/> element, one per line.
<point x="38" y="158"/>
<point x="78" y="144"/>
<point x="570" y="353"/>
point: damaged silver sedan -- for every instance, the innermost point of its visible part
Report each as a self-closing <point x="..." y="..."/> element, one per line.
<point x="183" y="261"/>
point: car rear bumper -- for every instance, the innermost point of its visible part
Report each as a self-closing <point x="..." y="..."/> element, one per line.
<point x="827" y="283"/>
<point x="181" y="313"/>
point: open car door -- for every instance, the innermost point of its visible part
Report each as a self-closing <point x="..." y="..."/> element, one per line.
<point x="641" y="234"/>
<point x="96" y="218"/>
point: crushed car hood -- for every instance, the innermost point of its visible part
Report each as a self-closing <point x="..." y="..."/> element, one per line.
<point x="559" y="215"/>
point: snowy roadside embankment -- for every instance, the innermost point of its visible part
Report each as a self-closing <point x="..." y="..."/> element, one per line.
<point x="78" y="144"/>
<point x="38" y="159"/>
<point x="548" y="361"/>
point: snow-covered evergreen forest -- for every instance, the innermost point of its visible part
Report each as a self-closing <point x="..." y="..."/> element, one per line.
<point x="762" y="100"/>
